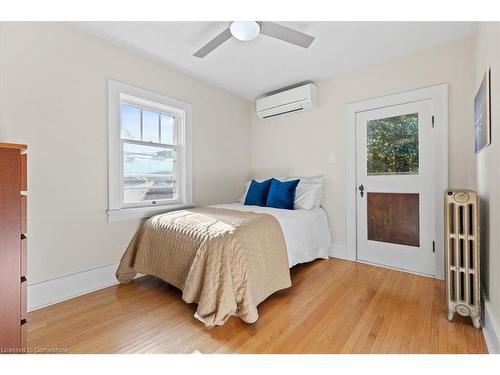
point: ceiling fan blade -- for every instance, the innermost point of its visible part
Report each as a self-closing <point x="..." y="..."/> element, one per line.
<point x="213" y="44"/>
<point x="286" y="34"/>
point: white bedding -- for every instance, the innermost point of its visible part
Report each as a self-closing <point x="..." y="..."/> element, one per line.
<point x="306" y="232"/>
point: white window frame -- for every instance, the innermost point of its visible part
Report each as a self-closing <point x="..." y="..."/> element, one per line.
<point x="118" y="93"/>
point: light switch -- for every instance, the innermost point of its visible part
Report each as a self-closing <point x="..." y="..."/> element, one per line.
<point x="331" y="158"/>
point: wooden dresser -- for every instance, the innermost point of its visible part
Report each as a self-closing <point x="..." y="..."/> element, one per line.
<point x="13" y="237"/>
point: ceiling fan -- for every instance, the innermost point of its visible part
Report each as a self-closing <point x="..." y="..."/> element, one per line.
<point x="248" y="30"/>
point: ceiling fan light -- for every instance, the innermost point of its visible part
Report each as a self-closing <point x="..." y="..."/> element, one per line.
<point x="244" y="30"/>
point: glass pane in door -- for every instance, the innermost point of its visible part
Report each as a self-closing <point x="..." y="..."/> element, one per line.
<point x="392" y="145"/>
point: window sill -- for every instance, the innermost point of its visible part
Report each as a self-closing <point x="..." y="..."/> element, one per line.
<point x="143" y="212"/>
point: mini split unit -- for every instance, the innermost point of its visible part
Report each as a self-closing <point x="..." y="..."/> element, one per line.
<point x="298" y="99"/>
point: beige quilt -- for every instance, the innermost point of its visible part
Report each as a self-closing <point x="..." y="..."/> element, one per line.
<point x="226" y="261"/>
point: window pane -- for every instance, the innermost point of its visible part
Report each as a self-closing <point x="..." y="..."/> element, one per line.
<point x="392" y="145"/>
<point x="167" y="129"/>
<point x="148" y="173"/>
<point x="131" y="122"/>
<point x="150" y="124"/>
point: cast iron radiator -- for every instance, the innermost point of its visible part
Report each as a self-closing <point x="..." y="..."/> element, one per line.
<point x="462" y="254"/>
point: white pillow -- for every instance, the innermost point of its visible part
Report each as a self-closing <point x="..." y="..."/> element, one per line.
<point x="318" y="180"/>
<point x="306" y="196"/>
<point x="242" y="198"/>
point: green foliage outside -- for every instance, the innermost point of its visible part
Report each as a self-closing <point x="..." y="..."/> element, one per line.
<point x="392" y="145"/>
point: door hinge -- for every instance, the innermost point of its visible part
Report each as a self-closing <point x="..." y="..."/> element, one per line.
<point x="433" y="246"/>
<point x="432" y="120"/>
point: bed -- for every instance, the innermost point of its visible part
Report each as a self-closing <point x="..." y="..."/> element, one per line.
<point x="226" y="258"/>
<point x="306" y="232"/>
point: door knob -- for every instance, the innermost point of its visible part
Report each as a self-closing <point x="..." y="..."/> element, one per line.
<point x="361" y="190"/>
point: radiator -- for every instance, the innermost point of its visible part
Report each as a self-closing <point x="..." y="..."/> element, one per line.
<point x="462" y="254"/>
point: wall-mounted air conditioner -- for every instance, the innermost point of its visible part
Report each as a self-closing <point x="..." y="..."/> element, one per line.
<point x="298" y="99"/>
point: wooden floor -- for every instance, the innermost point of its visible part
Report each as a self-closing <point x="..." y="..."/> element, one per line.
<point x="334" y="306"/>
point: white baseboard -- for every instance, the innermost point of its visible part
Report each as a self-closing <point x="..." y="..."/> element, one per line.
<point x="56" y="290"/>
<point x="338" y="250"/>
<point x="491" y="329"/>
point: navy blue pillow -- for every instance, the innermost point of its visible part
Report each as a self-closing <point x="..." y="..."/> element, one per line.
<point x="257" y="193"/>
<point x="282" y="194"/>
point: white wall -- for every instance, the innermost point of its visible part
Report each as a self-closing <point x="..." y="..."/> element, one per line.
<point x="53" y="81"/>
<point x="299" y="144"/>
<point x="488" y="164"/>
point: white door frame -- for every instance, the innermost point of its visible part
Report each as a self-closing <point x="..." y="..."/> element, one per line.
<point x="439" y="96"/>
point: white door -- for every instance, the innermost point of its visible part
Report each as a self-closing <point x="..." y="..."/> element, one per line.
<point x="395" y="197"/>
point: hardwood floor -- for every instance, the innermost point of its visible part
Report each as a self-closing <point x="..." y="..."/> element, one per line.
<point x="334" y="307"/>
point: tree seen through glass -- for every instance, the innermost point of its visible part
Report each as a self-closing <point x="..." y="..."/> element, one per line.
<point x="392" y="145"/>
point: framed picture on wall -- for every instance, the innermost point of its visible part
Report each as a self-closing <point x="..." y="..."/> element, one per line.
<point x="482" y="118"/>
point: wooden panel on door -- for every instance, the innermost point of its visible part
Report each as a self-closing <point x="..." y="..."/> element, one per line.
<point x="394" y="218"/>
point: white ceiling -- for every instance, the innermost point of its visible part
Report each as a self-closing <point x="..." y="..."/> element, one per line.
<point x="250" y="69"/>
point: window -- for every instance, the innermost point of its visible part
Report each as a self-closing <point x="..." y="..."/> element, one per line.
<point x="149" y="152"/>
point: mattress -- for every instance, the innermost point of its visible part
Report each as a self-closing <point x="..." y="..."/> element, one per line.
<point x="307" y="234"/>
